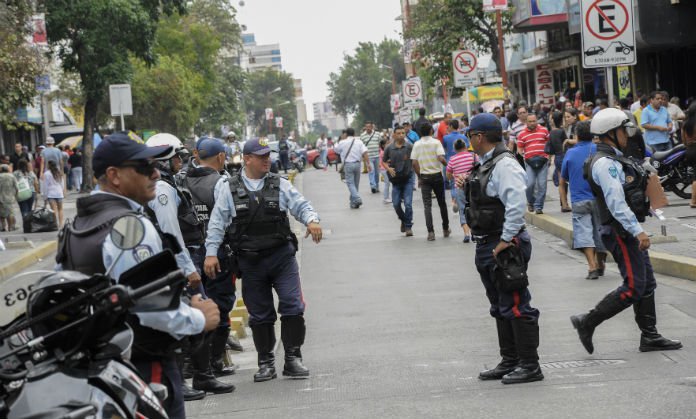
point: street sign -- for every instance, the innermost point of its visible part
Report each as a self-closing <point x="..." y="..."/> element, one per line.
<point x="465" y="69"/>
<point x="43" y="83"/>
<point x="494" y="5"/>
<point x="608" y="37"/>
<point x="544" y="82"/>
<point x="120" y="99"/>
<point x="413" y="93"/>
<point x="279" y="122"/>
<point x="269" y="114"/>
<point x="395" y="102"/>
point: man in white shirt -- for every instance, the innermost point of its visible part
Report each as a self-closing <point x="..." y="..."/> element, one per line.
<point x="322" y="149"/>
<point x="352" y="150"/>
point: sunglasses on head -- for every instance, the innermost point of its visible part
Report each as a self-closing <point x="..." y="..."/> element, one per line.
<point x="142" y="167"/>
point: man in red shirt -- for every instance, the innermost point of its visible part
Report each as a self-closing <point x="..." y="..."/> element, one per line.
<point x="531" y="143"/>
<point x="442" y="127"/>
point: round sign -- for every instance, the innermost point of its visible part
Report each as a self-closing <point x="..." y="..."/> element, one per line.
<point x="465" y="62"/>
<point x="412" y="89"/>
<point x="603" y="24"/>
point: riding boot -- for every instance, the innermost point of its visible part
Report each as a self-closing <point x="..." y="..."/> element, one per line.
<point x="585" y="324"/>
<point x="203" y="378"/>
<point x="187" y="392"/>
<point x="218" y="342"/>
<point x="526" y="341"/>
<point x="292" y="333"/>
<point x="508" y="352"/>
<point x="650" y="339"/>
<point x="264" y="340"/>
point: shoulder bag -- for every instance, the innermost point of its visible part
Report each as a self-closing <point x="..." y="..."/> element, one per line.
<point x="341" y="170"/>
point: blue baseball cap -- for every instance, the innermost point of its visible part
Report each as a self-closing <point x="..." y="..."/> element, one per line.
<point x="258" y="146"/>
<point x="485" y="122"/>
<point x="208" y="147"/>
<point x="117" y="148"/>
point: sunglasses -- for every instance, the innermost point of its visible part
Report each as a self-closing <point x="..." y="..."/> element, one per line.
<point x="143" y="167"/>
<point x="469" y="134"/>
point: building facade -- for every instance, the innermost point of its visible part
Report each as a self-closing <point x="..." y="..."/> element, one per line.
<point x="324" y="113"/>
<point x="254" y="57"/>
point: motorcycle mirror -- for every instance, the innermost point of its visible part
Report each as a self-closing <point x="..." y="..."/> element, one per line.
<point x="127" y="232"/>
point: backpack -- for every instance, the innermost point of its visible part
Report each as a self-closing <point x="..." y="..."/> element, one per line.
<point x="23" y="189"/>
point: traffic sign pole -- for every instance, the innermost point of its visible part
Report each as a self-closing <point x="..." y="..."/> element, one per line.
<point x="610" y="85"/>
<point x="468" y="104"/>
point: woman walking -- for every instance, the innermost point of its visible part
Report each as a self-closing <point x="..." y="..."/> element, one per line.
<point x="27" y="185"/>
<point x="8" y="197"/>
<point x="54" y="189"/>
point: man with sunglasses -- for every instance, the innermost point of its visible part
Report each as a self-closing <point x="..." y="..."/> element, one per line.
<point x="127" y="174"/>
<point x="264" y="245"/>
<point x="495" y="211"/>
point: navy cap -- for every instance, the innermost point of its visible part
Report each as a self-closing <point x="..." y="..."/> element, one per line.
<point x="209" y="147"/>
<point x="485" y="122"/>
<point x="117" y="148"/>
<point x="258" y="146"/>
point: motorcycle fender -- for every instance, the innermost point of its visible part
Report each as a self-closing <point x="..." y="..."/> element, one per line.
<point x="125" y="383"/>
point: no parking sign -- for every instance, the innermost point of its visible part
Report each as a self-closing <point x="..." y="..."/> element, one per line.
<point x="608" y="37"/>
<point x="465" y="68"/>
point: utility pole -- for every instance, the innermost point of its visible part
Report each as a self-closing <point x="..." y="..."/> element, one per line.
<point x="501" y="51"/>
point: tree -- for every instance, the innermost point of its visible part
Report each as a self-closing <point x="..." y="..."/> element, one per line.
<point x="319" y="128"/>
<point x="224" y="104"/>
<point x="273" y="89"/>
<point x="363" y="84"/>
<point x="95" y="38"/>
<point x="438" y="26"/>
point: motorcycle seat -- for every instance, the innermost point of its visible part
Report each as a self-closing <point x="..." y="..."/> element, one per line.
<point x="661" y="155"/>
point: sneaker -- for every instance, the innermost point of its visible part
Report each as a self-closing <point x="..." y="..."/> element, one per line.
<point x="447" y="232"/>
<point x="409" y="232"/>
<point x="539" y="211"/>
<point x="467" y="239"/>
<point x="530" y="208"/>
<point x="403" y="227"/>
<point x="431" y="236"/>
<point x="387" y="201"/>
<point x="374" y="190"/>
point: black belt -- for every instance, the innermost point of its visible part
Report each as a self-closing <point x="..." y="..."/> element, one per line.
<point x="490" y="238"/>
<point x="429" y="175"/>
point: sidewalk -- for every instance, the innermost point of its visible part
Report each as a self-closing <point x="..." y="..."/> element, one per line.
<point x="673" y="249"/>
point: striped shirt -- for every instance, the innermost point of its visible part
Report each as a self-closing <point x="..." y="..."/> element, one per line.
<point x="532" y="143"/>
<point x="426" y="152"/>
<point x="461" y="163"/>
<point x="372" y="145"/>
<point x="515" y="130"/>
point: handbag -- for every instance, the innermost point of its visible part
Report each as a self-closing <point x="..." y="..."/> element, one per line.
<point x="341" y="170"/>
<point x="23" y="189"/>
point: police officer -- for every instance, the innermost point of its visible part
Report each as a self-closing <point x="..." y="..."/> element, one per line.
<point x="127" y="175"/>
<point x="495" y="211"/>
<point x="619" y="184"/>
<point x="258" y="202"/>
<point x="284" y="153"/>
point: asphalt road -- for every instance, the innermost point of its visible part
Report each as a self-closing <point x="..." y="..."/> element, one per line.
<point x="399" y="328"/>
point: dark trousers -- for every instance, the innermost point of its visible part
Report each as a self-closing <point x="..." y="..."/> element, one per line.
<point x="284" y="160"/>
<point x="166" y="372"/>
<point x="26" y="205"/>
<point x="276" y="270"/>
<point x="221" y="289"/>
<point x="504" y="305"/>
<point x="634" y="264"/>
<point x="429" y="184"/>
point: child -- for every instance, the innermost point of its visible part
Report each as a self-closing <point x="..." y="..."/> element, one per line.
<point x="460" y="165"/>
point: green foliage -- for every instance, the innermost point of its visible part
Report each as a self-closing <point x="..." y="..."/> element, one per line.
<point x="224" y="104"/>
<point x="221" y="17"/>
<point x="262" y="94"/>
<point x="359" y="87"/>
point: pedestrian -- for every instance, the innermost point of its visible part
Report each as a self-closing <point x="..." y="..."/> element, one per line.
<point x="428" y="158"/>
<point x="352" y="151"/>
<point x="27" y="185"/>
<point x="8" y="197"/>
<point x="265" y="247"/>
<point x="397" y="162"/>
<point x="38" y="160"/>
<point x="127" y="173"/>
<point x="284" y="153"/>
<point x="555" y="148"/>
<point x="443" y="127"/>
<point x="54" y="190"/>
<point x="50" y="153"/>
<point x="531" y="143"/>
<point x="495" y="213"/>
<point x="449" y="140"/>
<point x="586" y="223"/>
<point x="459" y="166"/>
<point x="384" y="142"/>
<point x="75" y="163"/>
<point x="656" y="124"/>
<point x="322" y="148"/>
<point x="66" y="153"/>
<point x="619" y="184"/>
<point x="420" y="121"/>
<point x="18" y="155"/>
<point x="371" y="138"/>
<point x="516" y="127"/>
<point x="411" y="135"/>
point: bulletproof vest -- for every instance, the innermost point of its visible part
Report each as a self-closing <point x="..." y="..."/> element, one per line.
<point x="634" y="188"/>
<point x="260" y="224"/>
<point x="192" y="229"/>
<point x="200" y="182"/>
<point x="484" y="214"/>
<point x="283" y="145"/>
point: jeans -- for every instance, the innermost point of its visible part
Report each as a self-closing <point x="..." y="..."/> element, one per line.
<point x="322" y="157"/>
<point x="536" y="185"/>
<point x="374" y="175"/>
<point x="26" y="205"/>
<point x="557" y="165"/>
<point x="352" y="171"/>
<point x="429" y="184"/>
<point x="404" y="192"/>
<point x="76" y="177"/>
<point x="460" y="197"/>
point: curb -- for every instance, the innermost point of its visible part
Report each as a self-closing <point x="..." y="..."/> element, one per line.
<point x="27" y="259"/>
<point x="663" y="263"/>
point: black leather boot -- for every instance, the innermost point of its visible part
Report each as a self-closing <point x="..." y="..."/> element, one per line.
<point x="190" y="394"/>
<point x="506" y="342"/>
<point x="292" y="333"/>
<point x="650" y="339"/>
<point x="203" y="378"/>
<point x="218" y="342"/>
<point x="526" y="341"/>
<point x="264" y="340"/>
<point x="585" y="324"/>
<point x="233" y="343"/>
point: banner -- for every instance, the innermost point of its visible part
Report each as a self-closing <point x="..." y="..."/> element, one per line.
<point x="624" y="78"/>
<point x="269" y="114"/>
<point x="543" y="76"/>
<point x="279" y="122"/>
<point x="39" y="36"/>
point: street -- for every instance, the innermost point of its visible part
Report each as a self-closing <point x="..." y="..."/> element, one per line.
<point x="399" y="327"/>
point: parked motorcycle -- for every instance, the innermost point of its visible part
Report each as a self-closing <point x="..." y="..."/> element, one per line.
<point x="297" y="161"/>
<point x="234" y="163"/>
<point x="65" y="344"/>
<point x="674" y="173"/>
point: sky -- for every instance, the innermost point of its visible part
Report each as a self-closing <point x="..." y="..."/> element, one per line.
<point x="314" y="34"/>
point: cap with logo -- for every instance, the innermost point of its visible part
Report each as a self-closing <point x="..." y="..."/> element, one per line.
<point x="258" y="146"/>
<point x="117" y="148"/>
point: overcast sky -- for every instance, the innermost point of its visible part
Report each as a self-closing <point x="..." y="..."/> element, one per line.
<point x="314" y="34"/>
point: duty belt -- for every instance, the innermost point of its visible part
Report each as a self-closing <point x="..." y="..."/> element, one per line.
<point x="492" y="238"/>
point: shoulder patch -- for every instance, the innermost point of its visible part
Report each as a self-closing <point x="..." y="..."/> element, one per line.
<point x="142" y="252"/>
<point x="613" y="172"/>
<point x="162" y="199"/>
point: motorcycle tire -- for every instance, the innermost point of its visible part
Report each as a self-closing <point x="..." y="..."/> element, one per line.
<point x="679" y="189"/>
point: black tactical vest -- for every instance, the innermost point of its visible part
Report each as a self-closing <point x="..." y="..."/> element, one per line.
<point x="192" y="229"/>
<point x="200" y="183"/>
<point x="634" y="188"/>
<point x="260" y="224"/>
<point x="485" y="215"/>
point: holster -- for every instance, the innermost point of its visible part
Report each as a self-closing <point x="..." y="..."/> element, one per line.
<point x="510" y="270"/>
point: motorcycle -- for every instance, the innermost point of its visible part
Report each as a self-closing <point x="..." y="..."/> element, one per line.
<point x="65" y="344"/>
<point x="234" y="163"/>
<point x="297" y="162"/>
<point x="674" y="173"/>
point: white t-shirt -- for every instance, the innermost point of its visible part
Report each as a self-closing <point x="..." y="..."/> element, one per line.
<point x="52" y="188"/>
<point x="356" y="152"/>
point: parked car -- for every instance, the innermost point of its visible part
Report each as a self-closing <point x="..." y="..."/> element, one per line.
<point x="313" y="158"/>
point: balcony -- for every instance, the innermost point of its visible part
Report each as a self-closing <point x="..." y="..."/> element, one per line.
<point x="539" y="15"/>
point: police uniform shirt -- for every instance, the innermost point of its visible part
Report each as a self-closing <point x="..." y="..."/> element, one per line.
<point x="224" y="212"/>
<point x="165" y="205"/>
<point x="508" y="182"/>
<point x="181" y="322"/>
<point x="609" y="175"/>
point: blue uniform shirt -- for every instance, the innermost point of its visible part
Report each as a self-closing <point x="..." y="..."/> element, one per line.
<point x="179" y="323"/>
<point x="508" y="182"/>
<point x="224" y="212"/>
<point x="572" y="171"/>
<point x="609" y="175"/>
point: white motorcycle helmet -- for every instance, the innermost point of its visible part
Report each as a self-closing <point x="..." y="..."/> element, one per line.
<point x="167" y="140"/>
<point x="609" y="119"/>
